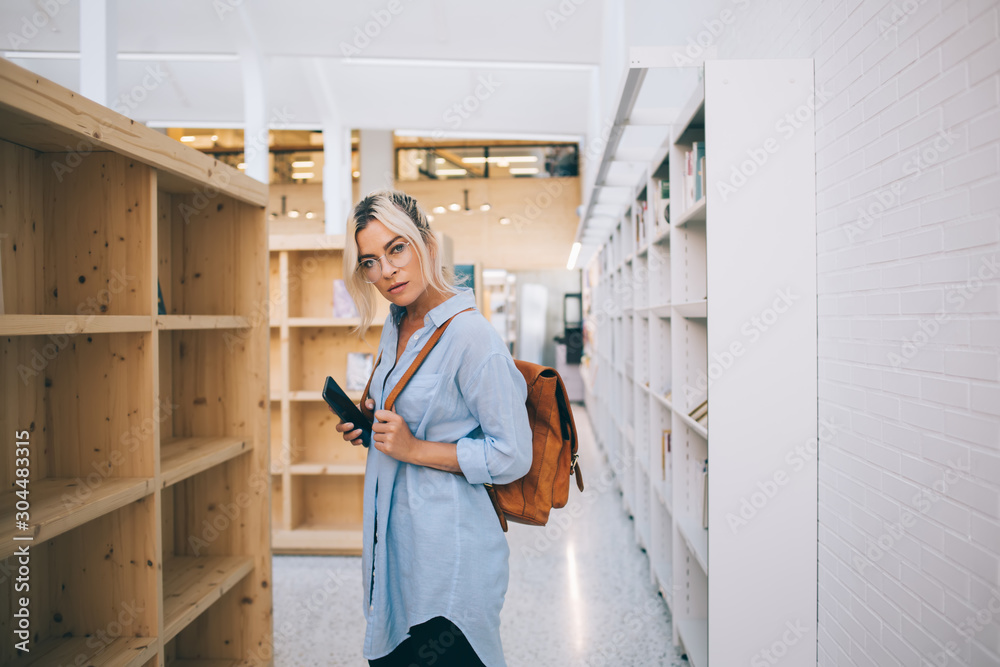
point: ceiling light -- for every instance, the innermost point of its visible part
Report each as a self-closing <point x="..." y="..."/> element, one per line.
<point x="454" y="207"/>
<point x="484" y="207"/>
<point x="572" y="255"/>
<point x="451" y="172"/>
<point x="215" y="137"/>
<point x="501" y="159"/>
<point x="303" y="174"/>
<point x="430" y="218"/>
<point x="241" y="165"/>
<point x="304" y="164"/>
<point x="294" y="213"/>
<point x="187" y="138"/>
<point x="418" y="161"/>
<point x="504" y="221"/>
<point x="439" y="209"/>
<point x="440" y="160"/>
<point x="524" y="170"/>
<point x="310" y="215"/>
<point x="356" y="174"/>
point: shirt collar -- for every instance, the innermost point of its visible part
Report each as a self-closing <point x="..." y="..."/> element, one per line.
<point x="439" y="314"/>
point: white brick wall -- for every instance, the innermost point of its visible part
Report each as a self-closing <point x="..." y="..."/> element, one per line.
<point x="910" y="484"/>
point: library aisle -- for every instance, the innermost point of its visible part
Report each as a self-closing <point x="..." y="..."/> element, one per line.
<point x="579" y="594"/>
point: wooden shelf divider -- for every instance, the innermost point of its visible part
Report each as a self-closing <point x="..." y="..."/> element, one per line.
<point x="182" y="457"/>
<point x="192" y="583"/>
<point x="59" y="505"/>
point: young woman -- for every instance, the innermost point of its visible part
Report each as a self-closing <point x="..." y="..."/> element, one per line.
<point x="434" y="561"/>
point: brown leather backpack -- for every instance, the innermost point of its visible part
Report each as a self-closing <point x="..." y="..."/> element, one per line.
<point x="553" y="441"/>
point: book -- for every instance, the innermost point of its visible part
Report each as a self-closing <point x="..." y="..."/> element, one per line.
<point x="699" y="163"/>
<point x="700" y="410"/>
<point x="664" y="450"/>
<point x="704" y="496"/>
<point x="702" y="180"/>
<point x="343" y="304"/>
<point x="1" y="282"/>
<point x="359" y="368"/>
<point x="161" y="308"/>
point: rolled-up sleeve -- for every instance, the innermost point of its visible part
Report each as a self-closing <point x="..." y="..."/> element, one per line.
<point x="495" y="395"/>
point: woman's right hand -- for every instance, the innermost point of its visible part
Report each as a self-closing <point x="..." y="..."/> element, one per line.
<point x="351" y="434"/>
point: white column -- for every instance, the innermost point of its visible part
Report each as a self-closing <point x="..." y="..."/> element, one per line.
<point x="336" y="177"/>
<point x="255" y="129"/>
<point x="378" y="161"/>
<point x="99" y="50"/>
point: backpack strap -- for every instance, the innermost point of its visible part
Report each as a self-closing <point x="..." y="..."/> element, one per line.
<point x="428" y="346"/>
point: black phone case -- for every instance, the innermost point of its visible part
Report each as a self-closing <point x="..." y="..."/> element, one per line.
<point x="345" y="408"/>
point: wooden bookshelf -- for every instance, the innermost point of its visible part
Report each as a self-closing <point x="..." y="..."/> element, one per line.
<point x="664" y="306"/>
<point x="148" y="434"/>
<point x="318" y="479"/>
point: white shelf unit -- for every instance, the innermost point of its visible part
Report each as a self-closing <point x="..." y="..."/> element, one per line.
<point x="693" y="311"/>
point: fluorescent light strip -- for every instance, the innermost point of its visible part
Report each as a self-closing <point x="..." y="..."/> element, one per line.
<point x="493" y="160"/>
<point x="446" y="134"/>
<point x="523" y="170"/>
<point x="493" y="64"/>
<point x="305" y="164"/>
<point x="303" y="174"/>
<point x="450" y="172"/>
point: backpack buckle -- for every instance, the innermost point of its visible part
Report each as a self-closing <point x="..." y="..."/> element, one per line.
<point x="572" y="463"/>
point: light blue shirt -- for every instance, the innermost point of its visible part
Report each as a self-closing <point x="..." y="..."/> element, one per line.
<point x="439" y="549"/>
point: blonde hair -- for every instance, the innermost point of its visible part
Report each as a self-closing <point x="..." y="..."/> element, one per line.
<point x="402" y="216"/>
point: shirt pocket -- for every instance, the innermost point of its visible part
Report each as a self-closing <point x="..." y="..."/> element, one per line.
<point x="416" y="397"/>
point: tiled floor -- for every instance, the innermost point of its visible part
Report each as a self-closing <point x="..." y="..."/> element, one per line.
<point x="579" y="593"/>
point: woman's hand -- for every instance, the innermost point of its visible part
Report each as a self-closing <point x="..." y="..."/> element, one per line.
<point x="392" y="436"/>
<point x="351" y="434"/>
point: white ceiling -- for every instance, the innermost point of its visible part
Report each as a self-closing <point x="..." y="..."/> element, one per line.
<point x="540" y="68"/>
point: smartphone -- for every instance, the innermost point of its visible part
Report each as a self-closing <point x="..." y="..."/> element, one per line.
<point x="345" y="408"/>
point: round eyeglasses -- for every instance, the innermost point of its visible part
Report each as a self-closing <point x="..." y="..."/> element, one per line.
<point x="399" y="255"/>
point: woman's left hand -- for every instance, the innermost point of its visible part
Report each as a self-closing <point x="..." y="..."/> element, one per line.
<point x="392" y="436"/>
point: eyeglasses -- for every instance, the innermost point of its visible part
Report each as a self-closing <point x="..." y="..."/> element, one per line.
<point x="399" y="255"/>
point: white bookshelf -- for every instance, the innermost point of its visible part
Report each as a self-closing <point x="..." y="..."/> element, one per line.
<point x="668" y="295"/>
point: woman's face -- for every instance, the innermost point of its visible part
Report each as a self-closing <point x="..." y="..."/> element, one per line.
<point x="400" y="285"/>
